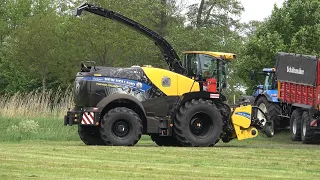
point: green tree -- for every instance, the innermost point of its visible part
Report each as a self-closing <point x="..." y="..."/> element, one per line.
<point x="113" y="44"/>
<point x="215" y="26"/>
<point x="292" y="28"/>
<point x="42" y="43"/>
<point x="213" y="13"/>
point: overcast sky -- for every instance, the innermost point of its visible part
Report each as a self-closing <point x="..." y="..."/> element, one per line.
<point x="254" y="9"/>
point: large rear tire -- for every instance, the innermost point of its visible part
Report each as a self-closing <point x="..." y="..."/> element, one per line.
<point x="272" y="110"/>
<point x="198" y="123"/>
<point x="121" y="127"/>
<point x="90" y="135"/>
<point x="164" y="140"/>
<point x="295" y="125"/>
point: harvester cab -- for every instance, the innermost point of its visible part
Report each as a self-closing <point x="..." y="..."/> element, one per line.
<point x="182" y="106"/>
<point x="208" y="67"/>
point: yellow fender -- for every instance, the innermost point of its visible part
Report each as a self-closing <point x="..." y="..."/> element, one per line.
<point x="241" y="119"/>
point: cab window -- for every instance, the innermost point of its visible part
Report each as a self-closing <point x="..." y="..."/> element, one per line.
<point x="208" y="66"/>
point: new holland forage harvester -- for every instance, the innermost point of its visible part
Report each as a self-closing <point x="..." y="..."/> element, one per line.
<point x="182" y="106"/>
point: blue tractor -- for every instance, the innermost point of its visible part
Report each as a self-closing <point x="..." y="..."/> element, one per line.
<point x="265" y="96"/>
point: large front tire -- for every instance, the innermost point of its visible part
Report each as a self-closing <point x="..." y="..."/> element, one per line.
<point x="90" y="135"/>
<point x="198" y="123"/>
<point x="121" y="127"/>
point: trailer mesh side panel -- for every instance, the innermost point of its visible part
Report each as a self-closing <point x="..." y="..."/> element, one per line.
<point x="296" y="93"/>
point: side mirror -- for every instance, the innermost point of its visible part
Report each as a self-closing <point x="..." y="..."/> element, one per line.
<point x="252" y="75"/>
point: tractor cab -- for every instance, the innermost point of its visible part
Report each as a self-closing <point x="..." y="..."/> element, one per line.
<point x="208" y="67"/>
<point x="270" y="82"/>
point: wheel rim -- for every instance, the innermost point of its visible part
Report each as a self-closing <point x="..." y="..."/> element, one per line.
<point x="294" y="126"/>
<point x="121" y="128"/>
<point x="201" y="124"/>
<point x="260" y="116"/>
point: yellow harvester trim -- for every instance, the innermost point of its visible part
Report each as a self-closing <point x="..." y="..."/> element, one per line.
<point x="179" y="84"/>
<point x="228" y="56"/>
<point x="241" y="119"/>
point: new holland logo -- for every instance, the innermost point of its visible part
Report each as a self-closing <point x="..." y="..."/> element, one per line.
<point x="244" y="114"/>
<point x="294" y="70"/>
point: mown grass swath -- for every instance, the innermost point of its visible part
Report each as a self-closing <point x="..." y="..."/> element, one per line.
<point x="259" y="158"/>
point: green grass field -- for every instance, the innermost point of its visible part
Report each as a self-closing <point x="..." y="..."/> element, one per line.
<point x="49" y="150"/>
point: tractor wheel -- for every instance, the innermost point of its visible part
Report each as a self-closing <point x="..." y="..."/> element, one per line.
<point x="90" y="135"/>
<point x="295" y="125"/>
<point x="272" y="110"/>
<point x="198" y="123"/>
<point x="164" y="140"/>
<point x="307" y="134"/>
<point x="121" y="127"/>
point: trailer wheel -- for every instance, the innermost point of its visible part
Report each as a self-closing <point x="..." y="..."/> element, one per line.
<point x="198" y="123"/>
<point x="295" y="125"/>
<point x="307" y="134"/>
<point x="121" y="127"/>
<point x="164" y="140"/>
<point x="272" y="110"/>
<point x="90" y="135"/>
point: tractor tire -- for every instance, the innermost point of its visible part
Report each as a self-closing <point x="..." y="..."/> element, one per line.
<point x="307" y="134"/>
<point x="164" y="140"/>
<point x="121" y="127"/>
<point x="272" y="110"/>
<point x="198" y="123"/>
<point x="295" y="125"/>
<point x="90" y="135"/>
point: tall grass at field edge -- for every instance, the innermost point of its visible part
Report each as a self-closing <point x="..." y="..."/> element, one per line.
<point x="36" y="115"/>
<point x="49" y="104"/>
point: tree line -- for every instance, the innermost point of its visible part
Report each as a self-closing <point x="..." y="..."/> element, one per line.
<point x="42" y="43"/>
<point x="293" y="28"/>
